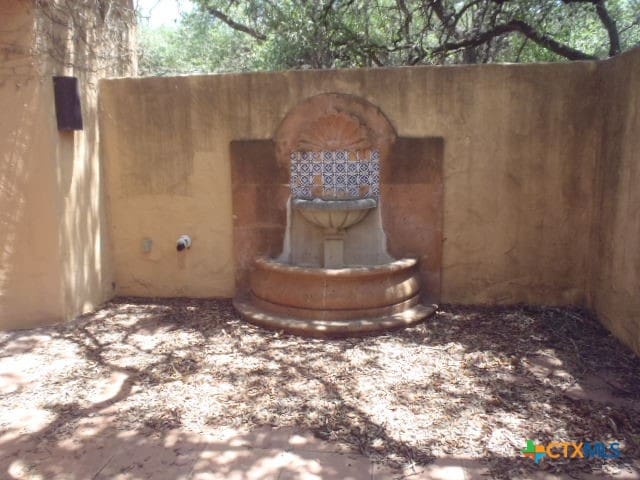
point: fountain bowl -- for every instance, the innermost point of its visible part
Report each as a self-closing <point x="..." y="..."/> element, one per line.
<point x="335" y="214"/>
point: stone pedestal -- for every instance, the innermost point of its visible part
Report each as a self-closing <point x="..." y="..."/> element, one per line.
<point x="333" y="250"/>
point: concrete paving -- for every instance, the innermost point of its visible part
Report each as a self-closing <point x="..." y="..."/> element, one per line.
<point x="265" y="453"/>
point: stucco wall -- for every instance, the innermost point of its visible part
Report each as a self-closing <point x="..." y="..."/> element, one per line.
<point x="83" y="231"/>
<point x="29" y="248"/>
<point x="54" y="258"/>
<point x="615" y="286"/>
<point x="520" y="147"/>
<point x="165" y="147"/>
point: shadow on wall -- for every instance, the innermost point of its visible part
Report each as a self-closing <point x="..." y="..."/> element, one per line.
<point x="86" y="277"/>
<point x="13" y="179"/>
<point x="83" y="229"/>
<point x="52" y="224"/>
<point x="29" y="255"/>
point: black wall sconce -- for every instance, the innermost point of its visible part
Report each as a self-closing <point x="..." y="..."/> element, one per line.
<point x="68" y="106"/>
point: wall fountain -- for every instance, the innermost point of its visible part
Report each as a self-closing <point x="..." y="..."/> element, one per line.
<point x="334" y="276"/>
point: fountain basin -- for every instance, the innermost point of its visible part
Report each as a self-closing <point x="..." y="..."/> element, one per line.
<point x="334" y="215"/>
<point x="360" y="287"/>
<point x="321" y="302"/>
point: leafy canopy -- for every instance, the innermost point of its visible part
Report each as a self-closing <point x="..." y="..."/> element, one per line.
<point x="242" y="35"/>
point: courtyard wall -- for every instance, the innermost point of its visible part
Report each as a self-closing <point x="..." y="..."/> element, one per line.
<point x="615" y="254"/>
<point x="30" y="265"/>
<point x="520" y="152"/>
<point x="540" y="165"/>
<point x="54" y="255"/>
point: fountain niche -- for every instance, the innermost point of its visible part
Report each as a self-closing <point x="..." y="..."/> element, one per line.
<point x="334" y="276"/>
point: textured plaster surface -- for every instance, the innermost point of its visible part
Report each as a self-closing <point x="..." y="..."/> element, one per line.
<point x="54" y="255"/>
<point x="615" y="277"/>
<point x="165" y="148"/>
<point x="30" y="256"/>
<point x="519" y="152"/>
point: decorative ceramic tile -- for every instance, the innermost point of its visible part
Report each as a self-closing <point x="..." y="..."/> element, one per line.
<point x="328" y="180"/>
<point x="305" y="168"/>
<point x="339" y="173"/>
<point x="306" y="180"/>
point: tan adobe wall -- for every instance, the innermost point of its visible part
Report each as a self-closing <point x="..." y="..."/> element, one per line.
<point x="520" y="148"/>
<point x="54" y="261"/>
<point x="615" y="255"/>
<point x="30" y="266"/>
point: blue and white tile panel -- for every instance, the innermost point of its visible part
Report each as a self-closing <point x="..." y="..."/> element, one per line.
<point x="335" y="174"/>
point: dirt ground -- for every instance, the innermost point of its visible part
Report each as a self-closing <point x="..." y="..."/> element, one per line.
<point x="471" y="382"/>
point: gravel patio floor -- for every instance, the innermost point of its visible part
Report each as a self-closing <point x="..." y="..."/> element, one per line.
<point x="471" y="382"/>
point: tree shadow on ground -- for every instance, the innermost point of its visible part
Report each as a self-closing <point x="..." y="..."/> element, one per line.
<point x="470" y="382"/>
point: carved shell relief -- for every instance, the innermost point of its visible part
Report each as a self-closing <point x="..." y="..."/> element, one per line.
<point x="337" y="131"/>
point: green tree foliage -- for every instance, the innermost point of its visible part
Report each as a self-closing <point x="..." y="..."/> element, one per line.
<point x="240" y="35"/>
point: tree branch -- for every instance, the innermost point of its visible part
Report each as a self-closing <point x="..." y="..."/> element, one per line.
<point x="612" y="30"/>
<point x="607" y="22"/>
<point x="235" y="25"/>
<point x="526" y="30"/>
<point x="408" y="17"/>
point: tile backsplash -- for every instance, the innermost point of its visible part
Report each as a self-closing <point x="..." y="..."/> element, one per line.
<point x="335" y="174"/>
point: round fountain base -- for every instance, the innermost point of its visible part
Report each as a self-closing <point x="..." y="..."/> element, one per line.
<point x="320" y="302"/>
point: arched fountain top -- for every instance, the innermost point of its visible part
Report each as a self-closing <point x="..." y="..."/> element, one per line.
<point x="334" y="121"/>
<point x="334" y="145"/>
